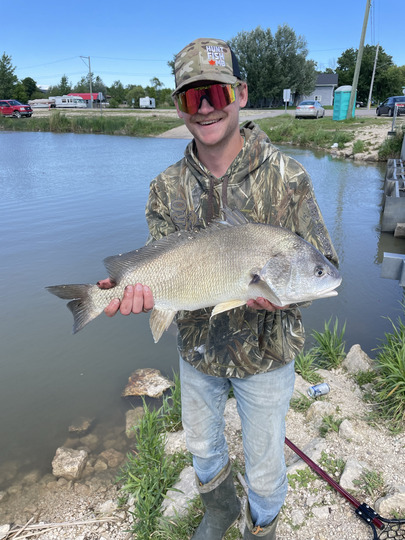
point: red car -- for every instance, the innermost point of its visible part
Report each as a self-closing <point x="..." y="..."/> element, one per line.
<point x="12" y="107"/>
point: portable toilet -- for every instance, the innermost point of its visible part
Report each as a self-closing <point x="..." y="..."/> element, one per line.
<point x="341" y="102"/>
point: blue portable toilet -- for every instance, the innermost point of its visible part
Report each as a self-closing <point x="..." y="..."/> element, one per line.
<point x="341" y="102"/>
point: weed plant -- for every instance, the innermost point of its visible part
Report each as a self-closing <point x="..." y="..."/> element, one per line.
<point x="371" y="483"/>
<point x="301" y="403"/>
<point x="334" y="466"/>
<point x="330" y="349"/>
<point x="391" y="147"/>
<point x="329" y="423"/>
<point x="148" y="472"/>
<point x="59" y="122"/>
<point x="306" y="366"/>
<point x="390" y="380"/>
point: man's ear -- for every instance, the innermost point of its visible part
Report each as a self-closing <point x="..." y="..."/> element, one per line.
<point x="243" y="94"/>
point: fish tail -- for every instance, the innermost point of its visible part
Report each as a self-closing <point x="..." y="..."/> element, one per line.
<point x="81" y="305"/>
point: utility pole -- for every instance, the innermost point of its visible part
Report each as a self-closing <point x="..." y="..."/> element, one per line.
<point x="372" y="77"/>
<point x="358" y="62"/>
<point x="91" y="88"/>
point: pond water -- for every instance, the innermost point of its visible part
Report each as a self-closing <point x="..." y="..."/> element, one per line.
<point x="67" y="202"/>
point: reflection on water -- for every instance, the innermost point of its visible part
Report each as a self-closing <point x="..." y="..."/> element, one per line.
<point x="68" y="201"/>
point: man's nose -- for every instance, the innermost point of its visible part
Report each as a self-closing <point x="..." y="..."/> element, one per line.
<point x="205" y="105"/>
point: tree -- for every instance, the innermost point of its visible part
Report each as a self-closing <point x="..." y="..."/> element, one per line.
<point x="157" y="85"/>
<point x="117" y="92"/>
<point x="30" y="86"/>
<point x="134" y="92"/>
<point x="8" y="80"/>
<point x="270" y="64"/>
<point x="388" y="80"/>
<point x="62" y="89"/>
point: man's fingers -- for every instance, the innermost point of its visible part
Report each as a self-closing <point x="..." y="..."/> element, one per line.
<point x="126" y="306"/>
<point x="148" y="301"/>
<point x="112" y="307"/>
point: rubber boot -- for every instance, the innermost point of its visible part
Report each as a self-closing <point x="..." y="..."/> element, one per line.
<point x="251" y="532"/>
<point x="222" y="506"/>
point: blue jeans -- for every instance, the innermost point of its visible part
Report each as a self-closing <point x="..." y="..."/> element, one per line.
<point x="262" y="402"/>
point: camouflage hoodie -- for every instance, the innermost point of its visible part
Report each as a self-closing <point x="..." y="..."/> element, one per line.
<point x="268" y="187"/>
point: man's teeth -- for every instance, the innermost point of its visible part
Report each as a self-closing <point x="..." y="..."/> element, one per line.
<point x="208" y="122"/>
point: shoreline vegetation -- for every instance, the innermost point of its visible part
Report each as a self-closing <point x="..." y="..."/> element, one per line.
<point x="354" y="136"/>
<point x="384" y="389"/>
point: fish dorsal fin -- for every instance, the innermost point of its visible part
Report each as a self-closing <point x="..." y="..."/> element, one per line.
<point x="225" y="306"/>
<point x="119" y="265"/>
<point x="160" y="320"/>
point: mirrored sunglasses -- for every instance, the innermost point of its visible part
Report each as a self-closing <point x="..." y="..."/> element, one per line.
<point x="218" y="95"/>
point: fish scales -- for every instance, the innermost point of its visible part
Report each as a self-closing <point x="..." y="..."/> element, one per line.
<point x="221" y="267"/>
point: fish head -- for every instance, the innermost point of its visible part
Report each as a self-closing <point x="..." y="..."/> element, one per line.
<point x="298" y="272"/>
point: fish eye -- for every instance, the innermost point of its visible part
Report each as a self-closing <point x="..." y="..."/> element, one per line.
<point x="319" y="271"/>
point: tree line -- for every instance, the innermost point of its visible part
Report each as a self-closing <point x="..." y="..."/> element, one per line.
<point x="268" y="62"/>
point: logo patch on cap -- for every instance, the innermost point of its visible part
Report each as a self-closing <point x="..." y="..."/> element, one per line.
<point x="216" y="56"/>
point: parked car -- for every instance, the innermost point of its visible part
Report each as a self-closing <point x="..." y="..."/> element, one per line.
<point x="359" y="104"/>
<point x="387" y="106"/>
<point x="12" y="107"/>
<point x="309" y="109"/>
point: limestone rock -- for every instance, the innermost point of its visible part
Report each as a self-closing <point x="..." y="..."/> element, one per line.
<point x="357" y="360"/>
<point x="318" y="410"/>
<point x="352" y="472"/>
<point x="146" y="382"/>
<point x="393" y="502"/>
<point x="69" y="463"/>
<point x="81" y="426"/>
<point x="112" y="457"/>
<point x="132" y="419"/>
<point x="177" y="499"/>
<point x="176" y="442"/>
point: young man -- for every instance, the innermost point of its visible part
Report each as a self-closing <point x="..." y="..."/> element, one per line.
<point x="249" y="348"/>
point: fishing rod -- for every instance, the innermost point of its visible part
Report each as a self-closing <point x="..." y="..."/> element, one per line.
<point x="396" y="527"/>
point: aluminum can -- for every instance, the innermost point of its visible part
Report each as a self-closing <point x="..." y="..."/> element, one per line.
<point x="318" y="390"/>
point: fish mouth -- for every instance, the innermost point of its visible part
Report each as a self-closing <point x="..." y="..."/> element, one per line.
<point x="326" y="293"/>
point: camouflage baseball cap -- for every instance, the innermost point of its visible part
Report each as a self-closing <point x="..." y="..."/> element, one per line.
<point x="205" y="59"/>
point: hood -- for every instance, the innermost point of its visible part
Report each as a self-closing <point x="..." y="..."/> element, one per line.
<point x="255" y="151"/>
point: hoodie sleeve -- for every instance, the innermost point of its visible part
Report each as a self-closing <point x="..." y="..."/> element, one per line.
<point x="298" y="209"/>
<point x="157" y="212"/>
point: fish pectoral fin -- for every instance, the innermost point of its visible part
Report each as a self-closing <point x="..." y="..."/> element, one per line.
<point x="225" y="306"/>
<point x="259" y="287"/>
<point x="160" y="320"/>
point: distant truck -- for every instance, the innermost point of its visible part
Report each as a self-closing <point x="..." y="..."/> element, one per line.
<point x="67" y="102"/>
<point x="147" y="103"/>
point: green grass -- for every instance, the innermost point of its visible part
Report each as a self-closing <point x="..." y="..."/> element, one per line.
<point x="325" y="132"/>
<point x="59" y="122"/>
<point x="306" y="366"/>
<point x="330" y="348"/>
<point x="391" y="147"/>
<point x="390" y="380"/>
<point x="148" y="472"/>
<point x="371" y="483"/>
<point x="329" y="423"/>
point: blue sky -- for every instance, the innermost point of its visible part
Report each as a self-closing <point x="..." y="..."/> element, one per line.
<point x="133" y="41"/>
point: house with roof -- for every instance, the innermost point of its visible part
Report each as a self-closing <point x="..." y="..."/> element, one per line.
<point x="325" y="86"/>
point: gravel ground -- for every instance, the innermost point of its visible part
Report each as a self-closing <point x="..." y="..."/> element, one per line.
<point x="311" y="512"/>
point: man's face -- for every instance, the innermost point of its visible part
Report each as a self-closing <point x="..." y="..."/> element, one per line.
<point x="212" y="127"/>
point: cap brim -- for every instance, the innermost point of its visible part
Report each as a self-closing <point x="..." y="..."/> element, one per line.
<point x="211" y="77"/>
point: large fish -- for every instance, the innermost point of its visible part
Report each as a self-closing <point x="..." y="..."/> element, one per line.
<point x="222" y="267"/>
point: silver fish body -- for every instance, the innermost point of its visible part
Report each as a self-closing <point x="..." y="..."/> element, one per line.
<point x="222" y="267"/>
